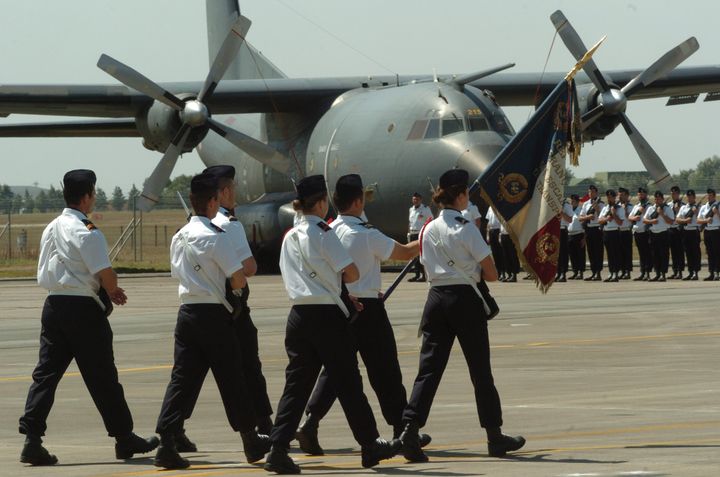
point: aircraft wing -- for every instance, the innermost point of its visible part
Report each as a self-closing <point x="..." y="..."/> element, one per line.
<point x="296" y="95"/>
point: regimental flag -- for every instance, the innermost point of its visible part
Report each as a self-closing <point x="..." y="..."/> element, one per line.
<point x="524" y="184"/>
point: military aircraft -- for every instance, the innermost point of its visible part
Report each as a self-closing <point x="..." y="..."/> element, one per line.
<point x="398" y="131"/>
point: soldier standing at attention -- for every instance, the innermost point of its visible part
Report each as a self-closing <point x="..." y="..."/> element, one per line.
<point x="675" y="237"/>
<point x="593" y="235"/>
<point x="373" y="332"/>
<point x="710" y="218"/>
<point x="687" y="218"/>
<point x="493" y="235"/>
<point x="576" y="240"/>
<point x="611" y="217"/>
<point x="659" y="217"/>
<point x="626" y="236"/>
<point x="457" y="258"/>
<point x="313" y="264"/>
<point x="642" y="236"/>
<point x="74" y="268"/>
<point x="565" y="218"/>
<point x="202" y="258"/>
<point x="418" y="214"/>
<point x="472" y="215"/>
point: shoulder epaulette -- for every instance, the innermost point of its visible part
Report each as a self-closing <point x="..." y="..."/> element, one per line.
<point x="88" y="224"/>
<point x="462" y="220"/>
<point x="232" y="218"/>
<point x="324" y="226"/>
<point x="367" y="225"/>
<point x="216" y="228"/>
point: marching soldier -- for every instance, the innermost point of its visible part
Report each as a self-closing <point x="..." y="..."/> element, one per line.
<point x="565" y="219"/>
<point x="641" y="234"/>
<point x="313" y="264"/>
<point x="710" y="218"/>
<point x="626" y="235"/>
<point x="373" y="333"/>
<point x="75" y="270"/>
<point x="493" y="235"/>
<point x="418" y="214"/>
<point x="202" y="258"/>
<point x="457" y="258"/>
<point x="593" y="235"/>
<point x="576" y="240"/>
<point x="675" y="237"/>
<point x="687" y="218"/>
<point x="659" y="217"/>
<point x="611" y="217"/>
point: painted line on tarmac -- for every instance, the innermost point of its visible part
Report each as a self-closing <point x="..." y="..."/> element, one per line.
<point x="532" y="345"/>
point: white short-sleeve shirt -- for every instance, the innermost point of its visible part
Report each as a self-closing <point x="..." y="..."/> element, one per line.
<point x="567" y="210"/>
<point x="214" y="251"/>
<point x="235" y="230"/>
<point x="639" y="210"/>
<point x="575" y="227"/>
<point x="714" y="224"/>
<point x="493" y="221"/>
<point x="367" y="247"/>
<point x="323" y="251"/>
<point x="611" y="225"/>
<point x="586" y="211"/>
<point x="687" y="211"/>
<point x="417" y="216"/>
<point x="471" y="213"/>
<point x="661" y="225"/>
<point x="72" y="252"/>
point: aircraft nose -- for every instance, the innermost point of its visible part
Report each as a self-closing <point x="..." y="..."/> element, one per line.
<point x="477" y="157"/>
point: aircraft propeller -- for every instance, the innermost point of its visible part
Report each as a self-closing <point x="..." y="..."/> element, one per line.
<point x="613" y="101"/>
<point x="193" y="113"/>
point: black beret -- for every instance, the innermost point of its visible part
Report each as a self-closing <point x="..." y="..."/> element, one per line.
<point x="574" y="197"/>
<point x="415" y="194"/>
<point x="79" y="181"/>
<point x="610" y="193"/>
<point x="622" y="189"/>
<point x="710" y="191"/>
<point x="310" y="185"/>
<point x="674" y="189"/>
<point x="592" y="187"/>
<point x="454" y="177"/>
<point x="227" y="172"/>
<point x="658" y="193"/>
<point x="349" y="185"/>
<point x="642" y="189"/>
<point x="690" y="192"/>
<point x="204" y="183"/>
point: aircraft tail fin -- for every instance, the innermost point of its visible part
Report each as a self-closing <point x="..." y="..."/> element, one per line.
<point x="250" y="63"/>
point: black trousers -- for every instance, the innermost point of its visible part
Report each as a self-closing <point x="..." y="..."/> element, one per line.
<point x="450" y="312"/>
<point x="562" y="267"/>
<point x="626" y="251"/>
<point x="712" y="247"/>
<point x="576" y="249"/>
<point x="611" y="239"/>
<point x="497" y="251"/>
<point x="691" y="243"/>
<point x="316" y="336"/>
<point x="376" y="343"/>
<point x="676" y="249"/>
<point x="75" y="327"/>
<point x="660" y="251"/>
<point x="205" y="339"/>
<point x="512" y="263"/>
<point x="418" y="268"/>
<point x="594" y="242"/>
<point x="247" y="335"/>
<point x="642" y="242"/>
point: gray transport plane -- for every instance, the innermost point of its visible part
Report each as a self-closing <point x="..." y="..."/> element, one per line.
<point x="399" y="132"/>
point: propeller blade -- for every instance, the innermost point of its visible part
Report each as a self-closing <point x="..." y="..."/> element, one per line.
<point x="137" y="81"/>
<point x="593" y="115"/>
<point x="155" y="184"/>
<point x="227" y="53"/>
<point x="257" y="150"/>
<point x="664" y="65"/>
<point x="577" y="48"/>
<point x="648" y="156"/>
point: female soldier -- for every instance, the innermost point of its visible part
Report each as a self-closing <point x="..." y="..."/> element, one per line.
<point x="313" y="262"/>
<point x="456" y="257"/>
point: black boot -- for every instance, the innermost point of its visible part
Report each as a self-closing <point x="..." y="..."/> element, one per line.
<point x="279" y="461"/>
<point x="307" y="436"/>
<point x="580" y="275"/>
<point x="183" y="444"/>
<point x="264" y="425"/>
<point x="641" y="278"/>
<point x="167" y="455"/>
<point x="379" y="450"/>
<point x="255" y="445"/>
<point x="423" y="439"/>
<point x="410" y="439"/>
<point x="710" y="277"/>
<point x="498" y="447"/>
<point x="34" y="453"/>
<point x="689" y="276"/>
<point x="695" y="276"/>
<point x="590" y="278"/>
<point x="127" y="446"/>
<point x="512" y="278"/>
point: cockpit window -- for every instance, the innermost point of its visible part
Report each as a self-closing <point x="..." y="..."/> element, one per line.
<point x="418" y="130"/>
<point x="477" y="123"/>
<point x="452" y="125"/>
<point x="433" y="129"/>
<point x="501" y="124"/>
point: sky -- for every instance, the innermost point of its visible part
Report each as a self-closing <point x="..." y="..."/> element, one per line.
<point x="60" y="42"/>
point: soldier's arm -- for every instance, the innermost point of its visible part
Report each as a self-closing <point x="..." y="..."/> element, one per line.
<point x="350" y="273"/>
<point x="489" y="272"/>
<point x="237" y="280"/>
<point x="108" y="280"/>
<point x="249" y="267"/>
<point x="405" y="251"/>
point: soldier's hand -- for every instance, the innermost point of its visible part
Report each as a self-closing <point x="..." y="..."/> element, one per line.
<point x="118" y="296"/>
<point x="356" y="303"/>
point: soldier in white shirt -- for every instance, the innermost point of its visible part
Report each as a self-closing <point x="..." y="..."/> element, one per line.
<point x="418" y="215"/>
<point x="709" y="217"/>
<point x="687" y="219"/>
<point x="659" y="217"/>
<point x="457" y="258"/>
<point x="314" y="263"/>
<point x="626" y="235"/>
<point x="675" y="237"/>
<point x="641" y="234"/>
<point x="202" y="258"/>
<point x="75" y="270"/>
<point x="611" y="217"/>
<point x="493" y="236"/>
<point x="565" y="218"/>
<point x="472" y="214"/>
<point x="373" y="332"/>
<point x="593" y="234"/>
<point x="576" y="240"/>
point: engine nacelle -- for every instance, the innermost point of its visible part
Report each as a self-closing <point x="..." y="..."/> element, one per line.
<point x="159" y="123"/>
<point x="588" y="98"/>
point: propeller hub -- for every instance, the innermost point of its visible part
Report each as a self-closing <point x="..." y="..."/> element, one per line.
<point x="194" y="113"/>
<point x="614" y="101"/>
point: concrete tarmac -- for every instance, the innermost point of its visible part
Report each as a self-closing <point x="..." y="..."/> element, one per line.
<point x="603" y="379"/>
